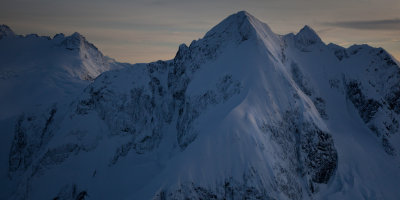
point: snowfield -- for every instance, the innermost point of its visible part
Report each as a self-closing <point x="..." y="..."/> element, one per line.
<point x="242" y="113"/>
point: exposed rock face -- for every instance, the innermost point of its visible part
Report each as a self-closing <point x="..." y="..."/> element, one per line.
<point x="379" y="108"/>
<point x="31" y="134"/>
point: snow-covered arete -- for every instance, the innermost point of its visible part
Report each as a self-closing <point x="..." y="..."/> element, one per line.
<point x="36" y="71"/>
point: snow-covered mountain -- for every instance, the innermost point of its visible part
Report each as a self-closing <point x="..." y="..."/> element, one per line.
<point x="36" y="71"/>
<point x="242" y="113"/>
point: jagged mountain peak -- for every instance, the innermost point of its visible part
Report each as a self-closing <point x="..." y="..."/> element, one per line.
<point x="243" y="13"/>
<point x="234" y="30"/>
<point x="5" y="31"/>
<point x="90" y="55"/>
<point x="78" y="36"/>
<point x="56" y="67"/>
<point x="231" y="22"/>
<point x="307" y="36"/>
<point x="58" y="36"/>
<point x="77" y="41"/>
<point x="241" y="16"/>
<point x="239" y="26"/>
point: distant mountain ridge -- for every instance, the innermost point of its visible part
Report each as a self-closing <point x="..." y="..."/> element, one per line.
<point x="242" y="113"/>
<point x="48" y="69"/>
<point x="5" y="31"/>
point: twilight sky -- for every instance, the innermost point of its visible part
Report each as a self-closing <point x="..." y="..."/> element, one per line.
<point x="148" y="30"/>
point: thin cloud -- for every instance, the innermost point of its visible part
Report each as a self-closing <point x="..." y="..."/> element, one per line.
<point x="325" y="30"/>
<point x="386" y="24"/>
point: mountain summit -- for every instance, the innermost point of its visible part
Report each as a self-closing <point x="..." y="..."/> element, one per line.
<point x="5" y="31"/>
<point x="241" y="25"/>
<point x="307" y="36"/>
<point x="38" y="71"/>
<point x="242" y="113"/>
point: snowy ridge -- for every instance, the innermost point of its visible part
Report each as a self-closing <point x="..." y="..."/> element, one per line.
<point x="93" y="60"/>
<point x="57" y="68"/>
<point x="241" y="113"/>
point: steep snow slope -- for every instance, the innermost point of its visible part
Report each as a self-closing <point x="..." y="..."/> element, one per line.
<point x="241" y="113"/>
<point x="38" y="71"/>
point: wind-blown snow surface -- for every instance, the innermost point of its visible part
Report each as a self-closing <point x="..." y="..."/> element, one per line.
<point x="242" y="113"/>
